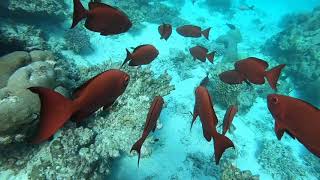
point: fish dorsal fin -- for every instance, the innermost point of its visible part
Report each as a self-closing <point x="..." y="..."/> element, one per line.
<point x="278" y="129"/>
<point x="260" y="61"/>
<point x="138" y="47"/>
<point x="93" y="5"/>
<point x="78" y="91"/>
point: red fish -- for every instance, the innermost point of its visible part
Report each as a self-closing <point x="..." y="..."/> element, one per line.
<point x="228" y="118"/>
<point x="101" y="18"/>
<point x="165" y="31"/>
<point x="203" y="108"/>
<point x="298" y="118"/>
<point x="150" y="125"/>
<point x="201" y="53"/>
<point x="254" y="71"/>
<point x="141" y="55"/>
<point x="193" y="31"/>
<point x="100" y="91"/>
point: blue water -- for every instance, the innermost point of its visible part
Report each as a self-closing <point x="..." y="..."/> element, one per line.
<point x="181" y="153"/>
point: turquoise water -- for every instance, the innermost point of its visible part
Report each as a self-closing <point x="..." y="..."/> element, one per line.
<point x="277" y="32"/>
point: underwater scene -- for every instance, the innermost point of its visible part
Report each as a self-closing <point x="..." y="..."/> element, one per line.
<point x="160" y="89"/>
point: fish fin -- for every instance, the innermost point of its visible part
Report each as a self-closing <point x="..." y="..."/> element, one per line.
<point x="221" y="143"/>
<point x="138" y="47"/>
<point x="55" y="111"/>
<point x="137" y="147"/>
<point x="205" y="33"/>
<point x="206" y="135"/>
<point x="195" y="114"/>
<point x="279" y="130"/>
<point x="210" y="56"/>
<point x="154" y="128"/>
<point x="128" y="58"/>
<point x="273" y="75"/>
<point x="79" y="13"/>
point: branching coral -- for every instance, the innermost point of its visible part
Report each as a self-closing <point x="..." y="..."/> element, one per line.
<point x="77" y="40"/>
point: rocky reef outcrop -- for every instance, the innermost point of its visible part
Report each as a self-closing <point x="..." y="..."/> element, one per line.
<point x="298" y="46"/>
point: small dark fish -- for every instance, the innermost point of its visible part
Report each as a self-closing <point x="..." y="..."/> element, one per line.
<point x="204" y="108"/>
<point x="150" y="125"/>
<point x="228" y="118"/>
<point x="156" y="140"/>
<point x="262" y="28"/>
<point x="141" y="55"/>
<point x="246" y="8"/>
<point x="204" y="82"/>
<point x="100" y="91"/>
<point x="298" y="118"/>
<point x="231" y="26"/>
<point x="101" y="18"/>
<point x="193" y="31"/>
<point x="165" y="31"/>
<point x="201" y="53"/>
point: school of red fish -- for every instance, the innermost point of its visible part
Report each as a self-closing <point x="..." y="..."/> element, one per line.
<point x="296" y="117"/>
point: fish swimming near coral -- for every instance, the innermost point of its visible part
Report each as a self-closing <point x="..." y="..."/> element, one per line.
<point x="204" y="109"/>
<point x="231" y="26"/>
<point x="165" y="31"/>
<point x="298" y="118"/>
<point x="201" y="53"/>
<point x="101" y="18"/>
<point x="100" y="91"/>
<point x="193" y="31"/>
<point x="150" y="125"/>
<point x="228" y="118"/>
<point x="254" y="71"/>
<point x="141" y="55"/>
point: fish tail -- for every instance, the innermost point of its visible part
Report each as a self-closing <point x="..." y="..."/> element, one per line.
<point x="210" y="56"/>
<point x="55" y="111"/>
<point x="273" y="75"/>
<point x="137" y="147"/>
<point x="206" y="32"/>
<point x="79" y="12"/>
<point x="221" y="143"/>
<point x="127" y="58"/>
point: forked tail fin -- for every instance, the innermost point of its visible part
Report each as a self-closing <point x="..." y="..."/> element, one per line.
<point x="137" y="147"/>
<point x="55" y="111"/>
<point x="273" y="75"/>
<point x="210" y="56"/>
<point x="221" y="143"/>
<point x="205" y="33"/>
<point x="79" y="12"/>
<point x="128" y="58"/>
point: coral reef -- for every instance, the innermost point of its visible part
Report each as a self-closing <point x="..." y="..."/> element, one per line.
<point x="313" y="163"/>
<point x="298" y="47"/>
<point x="230" y="41"/>
<point x="87" y="151"/>
<point x="232" y="172"/>
<point x="278" y="160"/>
<point x="77" y="40"/>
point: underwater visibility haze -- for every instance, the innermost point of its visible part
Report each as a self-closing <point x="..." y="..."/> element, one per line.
<point x="150" y="89"/>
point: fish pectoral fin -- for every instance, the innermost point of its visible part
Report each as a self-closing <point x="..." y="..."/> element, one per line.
<point x="279" y="130"/>
<point x="206" y="135"/>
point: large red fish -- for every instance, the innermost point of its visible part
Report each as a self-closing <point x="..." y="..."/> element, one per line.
<point x="141" y="55"/>
<point x="150" y="125"/>
<point x="254" y="71"/>
<point x="165" y="31"/>
<point x="298" y="118"/>
<point x="203" y="108"/>
<point x="228" y="118"/>
<point x="101" y="18"/>
<point x="100" y="91"/>
<point x="201" y="53"/>
<point x="193" y="31"/>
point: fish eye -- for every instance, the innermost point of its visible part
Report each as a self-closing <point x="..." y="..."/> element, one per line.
<point x="275" y="100"/>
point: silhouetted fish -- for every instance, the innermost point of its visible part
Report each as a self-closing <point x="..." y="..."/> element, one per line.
<point x="150" y="125"/>
<point x="231" y="26"/>
<point x="193" y="31"/>
<point x="165" y="31"/>
<point x="100" y="91"/>
<point x="101" y="18"/>
<point x="298" y="118"/>
<point x="143" y="54"/>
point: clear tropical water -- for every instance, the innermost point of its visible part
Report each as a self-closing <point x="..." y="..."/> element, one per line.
<point x="279" y="32"/>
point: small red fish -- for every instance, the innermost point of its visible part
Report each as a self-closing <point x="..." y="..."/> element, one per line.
<point x="203" y="108"/>
<point x="141" y="55"/>
<point x="254" y="71"/>
<point x="228" y="118"/>
<point x="201" y="53"/>
<point x="193" y="31"/>
<point x="100" y="91"/>
<point x="101" y="18"/>
<point x="298" y="118"/>
<point x="165" y="31"/>
<point x="150" y="125"/>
